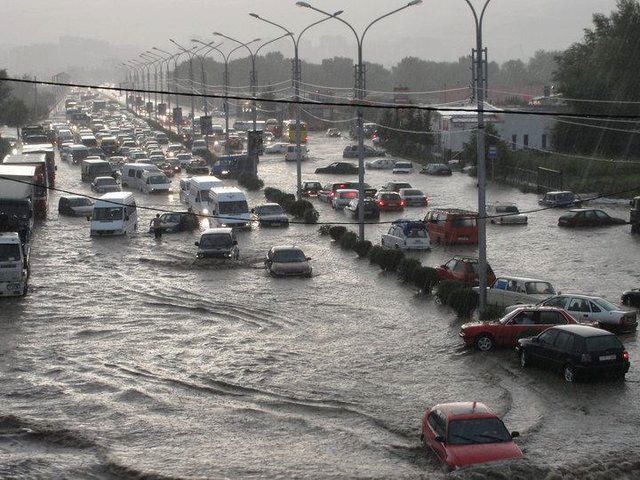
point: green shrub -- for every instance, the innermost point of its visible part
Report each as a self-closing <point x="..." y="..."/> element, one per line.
<point x="311" y="216"/>
<point x="446" y="287"/>
<point x="390" y="258"/>
<point x="463" y="301"/>
<point x="297" y="207"/>
<point x="324" y="230"/>
<point x="250" y="182"/>
<point x="425" y="278"/>
<point x="271" y="194"/>
<point x="286" y="200"/>
<point x="407" y="268"/>
<point x="492" y="312"/>
<point x="336" y="232"/>
<point x="348" y="240"/>
<point x="375" y="254"/>
<point x="362" y="248"/>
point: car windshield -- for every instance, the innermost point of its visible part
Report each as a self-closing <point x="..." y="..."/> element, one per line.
<point x="105" y="181"/>
<point x="80" y="202"/>
<point x="539" y="288"/>
<point x="289" y="256"/>
<point x="312" y="185"/>
<point x="404" y="165"/>
<point x="171" y="218"/>
<point x="15" y="207"/>
<point x="158" y="179"/>
<point x="9" y="252"/>
<point x="389" y="196"/>
<point x="477" y="430"/>
<point x="604" y="342"/>
<point x="217" y="240"/>
<point x="236" y="207"/>
<point x="413" y="193"/>
<point x="606" y="305"/>
<point x="417" y="232"/>
<point x="107" y="214"/>
<point x="269" y="210"/>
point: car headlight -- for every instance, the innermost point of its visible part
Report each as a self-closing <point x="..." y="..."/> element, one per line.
<point x="205" y="212"/>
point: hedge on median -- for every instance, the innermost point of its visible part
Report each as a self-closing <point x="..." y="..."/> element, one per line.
<point x="250" y="181"/>
<point x="302" y="209"/>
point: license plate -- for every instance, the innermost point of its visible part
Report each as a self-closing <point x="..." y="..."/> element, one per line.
<point x="463" y="238"/>
<point x="606" y="358"/>
<point x="276" y="224"/>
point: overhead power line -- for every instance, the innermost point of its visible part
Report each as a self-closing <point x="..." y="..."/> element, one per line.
<point x="351" y="104"/>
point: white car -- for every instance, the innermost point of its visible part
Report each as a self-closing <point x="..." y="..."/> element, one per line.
<point x="512" y="215"/>
<point x="403" y="167"/>
<point x="184" y="158"/>
<point x="413" y="197"/>
<point x="343" y="197"/>
<point x="105" y="185"/>
<point x="587" y="308"/>
<point x="507" y="291"/>
<point x="381" y="164"/>
<point x="291" y="153"/>
<point x="407" y="235"/>
<point x="276" y="148"/>
<point x="271" y="215"/>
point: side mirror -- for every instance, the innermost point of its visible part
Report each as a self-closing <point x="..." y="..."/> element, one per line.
<point x="515" y="434"/>
<point x="559" y="292"/>
<point x="444" y="267"/>
<point x="535" y="340"/>
<point x="235" y="242"/>
<point x="253" y="210"/>
<point x="126" y="218"/>
<point x="308" y="259"/>
<point x="88" y="219"/>
<point x="197" y="244"/>
<point x="439" y="438"/>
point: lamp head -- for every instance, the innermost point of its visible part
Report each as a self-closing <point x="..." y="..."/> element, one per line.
<point x="254" y="15"/>
<point x="303" y="4"/>
<point x="414" y="2"/>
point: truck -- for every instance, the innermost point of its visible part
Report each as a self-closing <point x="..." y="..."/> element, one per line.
<point x="635" y="215"/>
<point x="40" y="181"/>
<point x="50" y="156"/>
<point x="14" y="264"/>
<point x="16" y="198"/>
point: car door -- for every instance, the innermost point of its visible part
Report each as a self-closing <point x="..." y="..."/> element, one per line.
<point x="495" y="294"/>
<point x="542" y="348"/>
<point x="523" y="325"/>
<point x="597" y="314"/>
<point x="509" y="296"/>
<point x="436" y="427"/>
<point x="561" y="350"/>
<point x="579" y="308"/>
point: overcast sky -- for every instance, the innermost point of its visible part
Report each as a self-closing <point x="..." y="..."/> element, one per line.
<point x="437" y="29"/>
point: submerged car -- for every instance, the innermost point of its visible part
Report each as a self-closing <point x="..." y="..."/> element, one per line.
<point x="463" y="269"/>
<point x="520" y="323"/>
<point x="413" y="197"/>
<point x="339" y="168"/>
<point x="105" y="185"/>
<point x="370" y="207"/>
<point x="276" y="148"/>
<point x="177" y="222"/>
<point x="506" y="214"/>
<point x="507" y="291"/>
<point x="585" y="217"/>
<point x="351" y="151"/>
<point x="561" y="199"/>
<point x="381" y="164"/>
<point x="389" y="201"/>
<point x="403" y="167"/>
<point x="271" y="215"/>
<point x="333" y="133"/>
<point x="467" y="433"/>
<point x="311" y="189"/>
<point x="75" y="206"/>
<point x="631" y="298"/>
<point x="438" y="169"/>
<point x="218" y="243"/>
<point x="577" y="351"/>
<point x="287" y="261"/>
<point x="407" y="235"/>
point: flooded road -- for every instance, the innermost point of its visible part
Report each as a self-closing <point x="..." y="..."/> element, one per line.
<point x="130" y="359"/>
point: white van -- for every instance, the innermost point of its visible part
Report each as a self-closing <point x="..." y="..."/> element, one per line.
<point x="291" y="155"/>
<point x="184" y="190"/>
<point x="132" y="174"/>
<point x="154" y="182"/>
<point x="114" y="214"/>
<point x="198" y="197"/>
<point x="229" y="207"/>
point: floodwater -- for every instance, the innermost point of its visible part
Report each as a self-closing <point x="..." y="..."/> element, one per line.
<point x="129" y="359"/>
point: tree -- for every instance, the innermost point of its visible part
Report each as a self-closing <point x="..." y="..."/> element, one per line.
<point x="492" y="139"/>
<point x="15" y="114"/>
<point x="602" y="68"/>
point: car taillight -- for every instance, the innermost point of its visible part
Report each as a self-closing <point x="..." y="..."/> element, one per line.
<point x="332" y="194"/>
<point x="381" y="203"/>
<point x="585" y="358"/>
<point x="625" y="356"/>
<point x="402" y="203"/>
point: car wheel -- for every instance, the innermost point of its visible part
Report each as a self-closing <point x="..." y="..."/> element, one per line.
<point x="485" y="342"/>
<point x="626" y="301"/>
<point x="569" y="374"/>
<point x="524" y="359"/>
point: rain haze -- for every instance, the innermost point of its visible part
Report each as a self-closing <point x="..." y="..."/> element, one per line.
<point x="217" y="262"/>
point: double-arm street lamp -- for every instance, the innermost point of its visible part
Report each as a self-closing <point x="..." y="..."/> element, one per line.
<point x="481" y="160"/>
<point x="170" y="56"/>
<point x="297" y="79"/>
<point x="191" y="54"/>
<point x="138" y="68"/>
<point x="360" y="95"/>
<point x="154" y="60"/>
<point x="225" y="83"/>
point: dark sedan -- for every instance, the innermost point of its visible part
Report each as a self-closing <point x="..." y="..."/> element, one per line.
<point x="578" y="351"/>
<point x="342" y="168"/>
<point x="631" y="298"/>
<point x="587" y="217"/>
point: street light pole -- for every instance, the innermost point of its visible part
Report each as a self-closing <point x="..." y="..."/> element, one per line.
<point x="139" y="68"/>
<point x="191" y="82"/>
<point x="168" y="58"/>
<point x="155" y="60"/>
<point x="297" y="79"/>
<point x="481" y="160"/>
<point x="360" y="96"/>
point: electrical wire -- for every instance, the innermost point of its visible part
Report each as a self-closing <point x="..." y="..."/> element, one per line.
<point x="356" y="104"/>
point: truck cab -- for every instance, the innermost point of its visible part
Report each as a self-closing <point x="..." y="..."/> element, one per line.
<point x="635" y="215"/>
<point x="14" y="265"/>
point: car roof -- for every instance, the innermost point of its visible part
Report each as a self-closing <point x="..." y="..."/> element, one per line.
<point x="559" y="192"/>
<point x="282" y="248"/>
<point x="269" y="205"/>
<point x="217" y="230"/>
<point x="584" y="330"/>
<point x="463" y="409"/>
<point x="522" y="279"/>
<point x="539" y="308"/>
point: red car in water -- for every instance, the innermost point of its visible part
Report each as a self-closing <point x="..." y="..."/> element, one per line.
<point x="467" y="433"/>
<point x="465" y="270"/>
<point x="389" y="201"/>
<point x="521" y="323"/>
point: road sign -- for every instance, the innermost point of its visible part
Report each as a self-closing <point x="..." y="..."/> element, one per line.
<point x="493" y="152"/>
